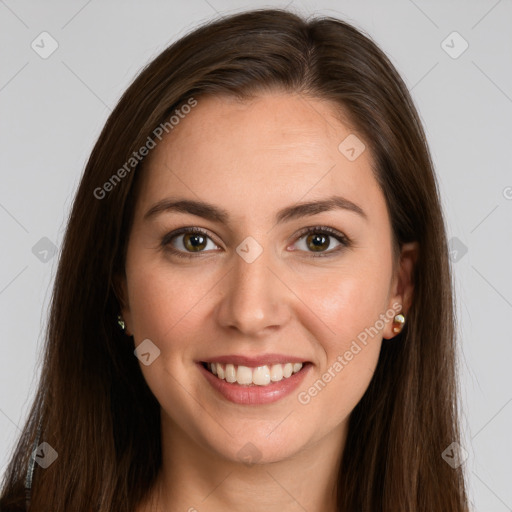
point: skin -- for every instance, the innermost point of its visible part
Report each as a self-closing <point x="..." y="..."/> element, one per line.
<point x="253" y="158"/>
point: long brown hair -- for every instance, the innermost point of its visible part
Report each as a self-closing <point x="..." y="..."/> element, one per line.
<point x="93" y="405"/>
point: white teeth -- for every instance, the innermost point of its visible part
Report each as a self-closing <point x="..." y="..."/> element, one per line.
<point x="288" y="369"/>
<point x="260" y="376"/>
<point x="230" y="373"/>
<point x="244" y="375"/>
<point x="276" y="373"/>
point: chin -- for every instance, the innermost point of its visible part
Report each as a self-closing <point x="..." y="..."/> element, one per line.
<point x="258" y="449"/>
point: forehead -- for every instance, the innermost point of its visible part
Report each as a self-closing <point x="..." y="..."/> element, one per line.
<point x="276" y="147"/>
<point x="290" y="126"/>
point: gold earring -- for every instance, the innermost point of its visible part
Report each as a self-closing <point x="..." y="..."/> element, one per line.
<point x="400" y="320"/>
<point x="121" y="323"/>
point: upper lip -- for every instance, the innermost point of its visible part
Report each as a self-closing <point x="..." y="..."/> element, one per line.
<point x="264" y="359"/>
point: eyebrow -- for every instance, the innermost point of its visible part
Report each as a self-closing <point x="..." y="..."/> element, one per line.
<point x="217" y="214"/>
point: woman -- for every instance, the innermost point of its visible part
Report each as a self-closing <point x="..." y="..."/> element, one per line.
<point x="253" y="306"/>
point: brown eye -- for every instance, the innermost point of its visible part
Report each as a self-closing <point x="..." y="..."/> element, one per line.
<point x="322" y="240"/>
<point x="317" y="242"/>
<point x="194" y="242"/>
<point x="186" y="241"/>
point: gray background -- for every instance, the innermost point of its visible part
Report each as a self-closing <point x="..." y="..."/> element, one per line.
<point x="53" y="109"/>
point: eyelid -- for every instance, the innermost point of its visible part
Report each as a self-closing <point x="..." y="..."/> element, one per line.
<point x="341" y="238"/>
<point x="180" y="231"/>
<point x="344" y="241"/>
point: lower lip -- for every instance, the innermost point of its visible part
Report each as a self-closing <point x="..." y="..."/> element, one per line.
<point x="255" y="395"/>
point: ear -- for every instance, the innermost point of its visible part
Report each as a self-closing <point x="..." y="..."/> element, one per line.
<point x="121" y="293"/>
<point x="402" y="289"/>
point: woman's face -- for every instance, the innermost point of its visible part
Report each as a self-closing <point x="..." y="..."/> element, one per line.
<point x="248" y="287"/>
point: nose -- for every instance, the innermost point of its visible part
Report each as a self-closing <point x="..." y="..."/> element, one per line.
<point x="254" y="301"/>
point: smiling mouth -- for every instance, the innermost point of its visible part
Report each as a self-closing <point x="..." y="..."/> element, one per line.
<point x="259" y="376"/>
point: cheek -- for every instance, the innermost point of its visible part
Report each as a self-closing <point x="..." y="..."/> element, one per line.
<point x="350" y="315"/>
<point x="351" y="306"/>
<point x="161" y="300"/>
<point x="350" y="301"/>
<point x="165" y="307"/>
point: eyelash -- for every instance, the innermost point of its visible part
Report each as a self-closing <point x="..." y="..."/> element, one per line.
<point x="323" y="230"/>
